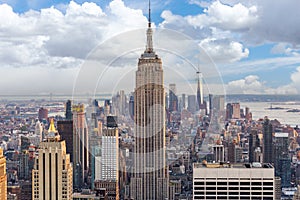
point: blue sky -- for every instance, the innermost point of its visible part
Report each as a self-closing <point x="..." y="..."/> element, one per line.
<point x="255" y="48"/>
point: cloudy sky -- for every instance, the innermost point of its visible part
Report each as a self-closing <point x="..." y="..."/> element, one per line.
<point x="44" y="45"/>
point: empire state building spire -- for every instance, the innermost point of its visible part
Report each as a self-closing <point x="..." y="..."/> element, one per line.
<point x="149" y="48"/>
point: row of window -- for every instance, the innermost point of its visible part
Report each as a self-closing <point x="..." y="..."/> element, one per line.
<point x="233" y="193"/>
<point x="232" y="197"/>
<point x="233" y="188"/>
<point x="235" y="183"/>
<point x="233" y="178"/>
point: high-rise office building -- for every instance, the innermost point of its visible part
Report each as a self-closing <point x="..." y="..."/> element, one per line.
<point x="80" y="146"/>
<point x="107" y="107"/>
<point x="68" y="113"/>
<point x="3" y="176"/>
<point x="119" y="103"/>
<point x="149" y="178"/>
<point x="267" y="141"/>
<point x="253" y="145"/>
<point x="39" y="130"/>
<point x="25" y="165"/>
<point x="65" y="129"/>
<point x="233" y="111"/>
<point x="173" y="99"/>
<point x="183" y="101"/>
<point x="282" y="160"/>
<point x="192" y="104"/>
<point x="216" y="104"/>
<point x="52" y="173"/>
<point x="236" y="110"/>
<point x="43" y="114"/>
<point x="109" y="160"/>
<point x="131" y="106"/>
<point x="233" y="181"/>
<point x="200" y="100"/>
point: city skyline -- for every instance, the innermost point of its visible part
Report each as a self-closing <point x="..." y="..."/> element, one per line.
<point x="163" y="131"/>
<point x="255" y="44"/>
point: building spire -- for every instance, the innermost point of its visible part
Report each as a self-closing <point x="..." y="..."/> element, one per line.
<point x="149" y="15"/>
<point x="52" y="127"/>
<point x="149" y="48"/>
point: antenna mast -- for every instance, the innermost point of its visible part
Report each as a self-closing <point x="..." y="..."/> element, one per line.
<point x="149" y="17"/>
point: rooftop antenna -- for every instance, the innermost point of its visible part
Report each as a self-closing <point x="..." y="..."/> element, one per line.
<point x="149" y="17"/>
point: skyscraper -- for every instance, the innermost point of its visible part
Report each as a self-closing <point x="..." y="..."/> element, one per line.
<point x="199" y="91"/>
<point x="131" y="106"/>
<point x="80" y="146"/>
<point x="282" y="161"/>
<point x="25" y="165"/>
<point x="39" y="130"/>
<point x="109" y="173"/>
<point x="173" y="99"/>
<point x="253" y="145"/>
<point x="52" y="173"/>
<point x="65" y="129"/>
<point x="3" y="176"/>
<point x="69" y="110"/>
<point x="233" y="111"/>
<point x="43" y="114"/>
<point x="150" y="174"/>
<point x="192" y="104"/>
<point x="267" y="141"/>
<point x="183" y="101"/>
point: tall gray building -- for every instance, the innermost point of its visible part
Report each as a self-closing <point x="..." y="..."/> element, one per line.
<point x="268" y="141"/>
<point x="150" y="174"/>
<point x="80" y="146"/>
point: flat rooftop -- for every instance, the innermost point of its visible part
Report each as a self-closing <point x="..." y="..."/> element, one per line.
<point x="232" y="165"/>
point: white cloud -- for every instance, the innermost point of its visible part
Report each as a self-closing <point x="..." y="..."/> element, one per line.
<point x="214" y="28"/>
<point x="56" y="38"/>
<point x="253" y="85"/>
<point x="224" y="50"/>
<point x="284" y="48"/>
<point x="255" y="21"/>
<point x="249" y="85"/>
<point x="237" y="17"/>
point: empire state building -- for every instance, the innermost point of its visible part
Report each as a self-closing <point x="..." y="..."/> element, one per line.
<point x="149" y="179"/>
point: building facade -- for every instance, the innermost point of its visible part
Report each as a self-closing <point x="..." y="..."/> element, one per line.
<point x="3" y="176"/>
<point x="173" y="99"/>
<point x="149" y="179"/>
<point x="52" y="174"/>
<point x="65" y="129"/>
<point x="267" y="141"/>
<point x="233" y="181"/>
<point x="109" y="160"/>
<point x="80" y="146"/>
<point x="282" y="160"/>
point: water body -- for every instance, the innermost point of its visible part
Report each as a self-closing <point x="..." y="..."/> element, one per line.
<point x="260" y="110"/>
